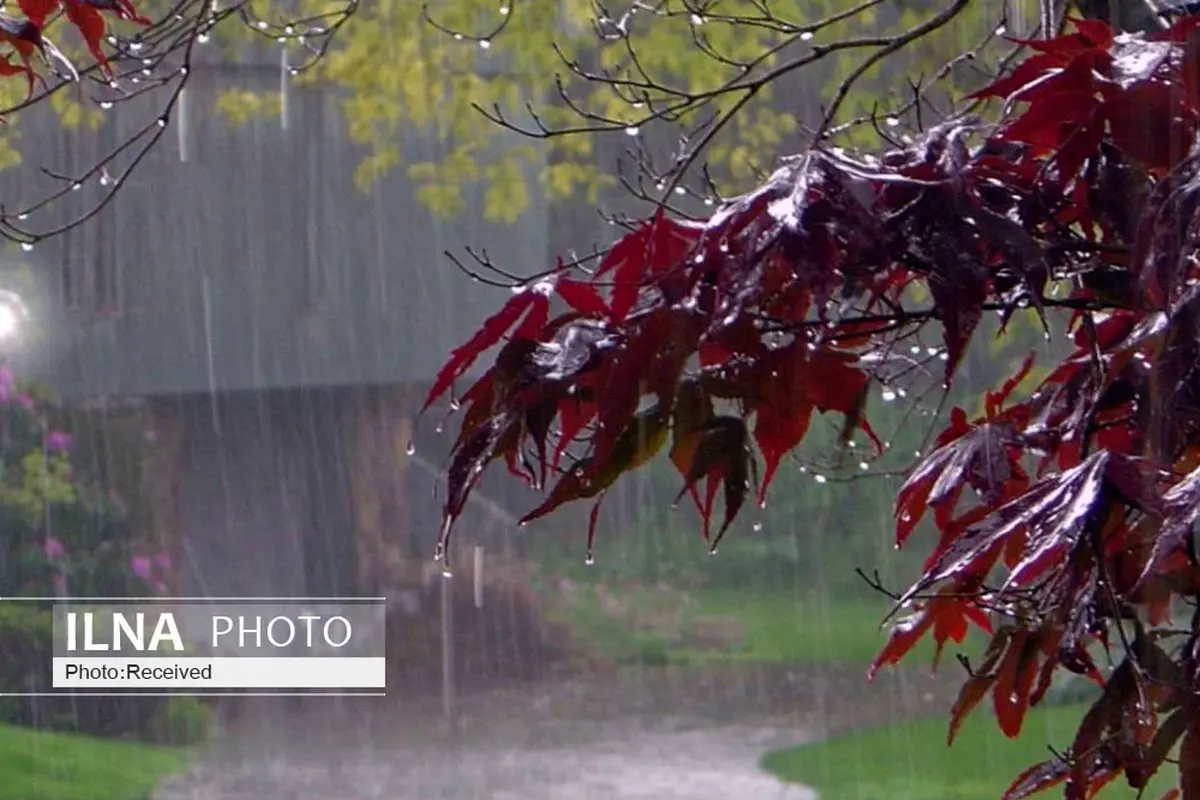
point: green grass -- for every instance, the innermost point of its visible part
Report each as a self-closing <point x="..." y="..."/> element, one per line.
<point x="775" y="628"/>
<point x="782" y="628"/>
<point x="911" y="761"/>
<point x="57" y="766"/>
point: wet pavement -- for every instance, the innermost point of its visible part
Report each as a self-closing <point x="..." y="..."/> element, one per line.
<point x="667" y="734"/>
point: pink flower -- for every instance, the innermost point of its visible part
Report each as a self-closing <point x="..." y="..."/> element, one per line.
<point x="25" y="401"/>
<point x="53" y="548"/>
<point x="141" y="567"/>
<point x="58" y="442"/>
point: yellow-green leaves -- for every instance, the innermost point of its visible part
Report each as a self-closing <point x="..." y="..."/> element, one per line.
<point x="42" y="479"/>
<point x="239" y="106"/>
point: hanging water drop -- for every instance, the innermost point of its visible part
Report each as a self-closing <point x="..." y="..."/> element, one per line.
<point x="589" y="560"/>
<point x="26" y="246"/>
<point x="863" y="465"/>
<point x="485" y="44"/>
<point x="262" y="25"/>
<point x="504" y="11"/>
<point x="454" y="404"/>
<point x="819" y="478"/>
<point x="632" y="130"/>
<point x="696" y="19"/>
<point x="446" y="573"/>
<point x="410" y="448"/>
<point x="202" y="38"/>
<point x="712" y="551"/>
<point x="892" y="122"/>
<point x="888" y="395"/>
<point x="806" y="36"/>
<point x="757" y="526"/>
<point x="106" y="104"/>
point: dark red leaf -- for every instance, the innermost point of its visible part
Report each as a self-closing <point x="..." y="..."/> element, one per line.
<point x="489" y="334"/>
<point x="1038" y="778"/>
<point x="123" y="9"/>
<point x="38" y="11"/>
<point x="92" y="28"/>
<point x="654" y="247"/>
<point x="582" y="297"/>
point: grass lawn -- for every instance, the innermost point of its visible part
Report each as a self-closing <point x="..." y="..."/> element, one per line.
<point x="910" y="761"/>
<point x="57" y="766"/>
<point x="762" y="628"/>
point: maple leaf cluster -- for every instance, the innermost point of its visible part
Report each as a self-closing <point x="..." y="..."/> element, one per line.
<point x="25" y="39"/>
<point x="1064" y="514"/>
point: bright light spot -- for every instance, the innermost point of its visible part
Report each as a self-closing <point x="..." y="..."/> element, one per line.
<point x="9" y="321"/>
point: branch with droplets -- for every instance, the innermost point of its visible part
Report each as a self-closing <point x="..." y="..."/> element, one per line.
<point x="157" y="57"/>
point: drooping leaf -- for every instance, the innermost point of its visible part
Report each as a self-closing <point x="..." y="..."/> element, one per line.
<point x="1038" y="778"/>
<point x="532" y="304"/>
<point x="655" y="246"/>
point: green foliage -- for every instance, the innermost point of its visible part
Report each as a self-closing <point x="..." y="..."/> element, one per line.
<point x="910" y="761"/>
<point x="25" y="657"/>
<point x="181" y="721"/>
<point x="37" y="765"/>
<point x="62" y="535"/>
<point x="240" y="106"/>
<point x="403" y="77"/>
